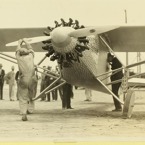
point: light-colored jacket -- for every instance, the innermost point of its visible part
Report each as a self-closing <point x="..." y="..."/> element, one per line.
<point x="10" y="78"/>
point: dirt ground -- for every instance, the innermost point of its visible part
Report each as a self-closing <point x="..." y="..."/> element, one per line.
<point x="88" y="121"/>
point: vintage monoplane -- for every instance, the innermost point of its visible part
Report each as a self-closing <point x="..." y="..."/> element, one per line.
<point x="81" y="54"/>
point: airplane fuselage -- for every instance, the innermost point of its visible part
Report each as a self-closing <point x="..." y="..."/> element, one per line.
<point x="92" y="62"/>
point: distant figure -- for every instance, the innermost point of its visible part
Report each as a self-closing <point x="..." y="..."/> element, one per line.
<point x="49" y="80"/>
<point x="88" y="94"/>
<point x="43" y="83"/>
<point x="17" y="82"/>
<point x="10" y="77"/>
<point x="67" y="94"/>
<point x="2" y="75"/>
<point x="28" y="79"/>
<point x="115" y="64"/>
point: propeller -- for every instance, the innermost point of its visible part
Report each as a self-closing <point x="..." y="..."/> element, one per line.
<point x="31" y="40"/>
<point x="91" y="31"/>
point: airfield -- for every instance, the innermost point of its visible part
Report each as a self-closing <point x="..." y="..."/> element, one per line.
<point x="88" y="121"/>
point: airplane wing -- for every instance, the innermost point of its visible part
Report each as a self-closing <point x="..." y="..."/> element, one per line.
<point x="91" y="31"/>
<point x="136" y="82"/>
<point x="122" y="39"/>
<point x="8" y="35"/>
<point x="127" y="39"/>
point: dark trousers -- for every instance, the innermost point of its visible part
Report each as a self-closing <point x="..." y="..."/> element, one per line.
<point x="115" y="89"/>
<point x="48" y="97"/>
<point x="55" y="94"/>
<point x="1" y="90"/>
<point x="42" y="87"/>
<point x="54" y="97"/>
<point x="66" y="102"/>
<point x="66" y="97"/>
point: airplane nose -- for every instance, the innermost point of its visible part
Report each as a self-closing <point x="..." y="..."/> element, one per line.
<point x="61" y="41"/>
<point x="60" y="37"/>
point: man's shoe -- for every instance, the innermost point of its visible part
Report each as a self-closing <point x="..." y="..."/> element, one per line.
<point x="117" y="110"/>
<point x="86" y="100"/>
<point x="70" y="108"/>
<point x="24" y="117"/>
<point x="28" y="112"/>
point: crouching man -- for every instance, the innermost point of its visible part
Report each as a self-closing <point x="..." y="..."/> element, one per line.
<point x="27" y="85"/>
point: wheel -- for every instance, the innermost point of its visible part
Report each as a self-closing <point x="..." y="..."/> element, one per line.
<point x="128" y="104"/>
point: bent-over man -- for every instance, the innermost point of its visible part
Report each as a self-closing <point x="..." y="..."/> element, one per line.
<point x="27" y="78"/>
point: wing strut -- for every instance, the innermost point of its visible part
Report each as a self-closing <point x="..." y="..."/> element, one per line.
<point x="110" y="91"/>
<point x="110" y="49"/>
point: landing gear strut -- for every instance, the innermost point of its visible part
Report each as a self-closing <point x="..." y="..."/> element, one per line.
<point x="129" y="104"/>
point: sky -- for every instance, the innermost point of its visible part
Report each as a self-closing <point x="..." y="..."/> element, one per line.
<point x="30" y="13"/>
<point x="42" y="13"/>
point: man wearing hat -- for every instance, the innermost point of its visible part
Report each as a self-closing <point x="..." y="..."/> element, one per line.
<point x="2" y="74"/>
<point x="49" y="80"/>
<point x="43" y="83"/>
<point x="115" y="64"/>
<point x="27" y="78"/>
<point x="10" y="77"/>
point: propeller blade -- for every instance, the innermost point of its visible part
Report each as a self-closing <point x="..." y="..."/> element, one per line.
<point x="91" y="31"/>
<point x="31" y="40"/>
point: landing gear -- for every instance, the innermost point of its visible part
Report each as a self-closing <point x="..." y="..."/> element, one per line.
<point x="128" y="104"/>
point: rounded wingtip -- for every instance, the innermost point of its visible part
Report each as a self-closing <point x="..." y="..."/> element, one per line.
<point x="31" y="40"/>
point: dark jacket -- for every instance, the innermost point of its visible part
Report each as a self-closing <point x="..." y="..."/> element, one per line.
<point x="115" y="65"/>
<point x="2" y="76"/>
<point x="67" y="90"/>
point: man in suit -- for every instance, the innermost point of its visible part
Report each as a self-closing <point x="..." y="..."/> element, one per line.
<point x="43" y="83"/>
<point x="17" y="82"/>
<point x="49" y="80"/>
<point x="10" y="77"/>
<point x="2" y="74"/>
<point x="115" y="64"/>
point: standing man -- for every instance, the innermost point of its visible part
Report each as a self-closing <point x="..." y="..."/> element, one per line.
<point x="115" y="64"/>
<point x="17" y="81"/>
<point x="10" y="77"/>
<point x="43" y="83"/>
<point x="49" y="80"/>
<point x="27" y="78"/>
<point x="2" y="74"/>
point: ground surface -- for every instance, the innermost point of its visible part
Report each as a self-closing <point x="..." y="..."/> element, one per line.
<point x="88" y="121"/>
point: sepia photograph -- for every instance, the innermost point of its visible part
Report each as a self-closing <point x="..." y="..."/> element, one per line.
<point x="72" y="71"/>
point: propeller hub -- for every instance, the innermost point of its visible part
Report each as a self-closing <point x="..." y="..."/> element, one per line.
<point x="61" y="41"/>
<point x="60" y="36"/>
